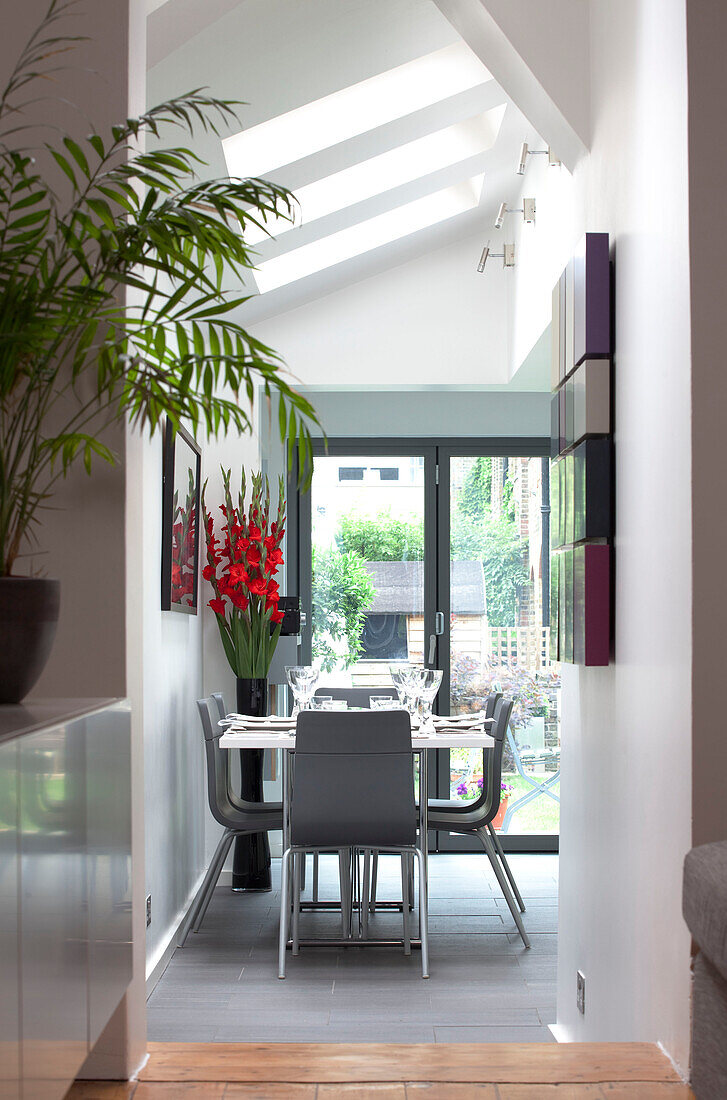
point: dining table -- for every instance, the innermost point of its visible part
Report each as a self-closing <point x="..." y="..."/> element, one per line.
<point x="278" y="733"/>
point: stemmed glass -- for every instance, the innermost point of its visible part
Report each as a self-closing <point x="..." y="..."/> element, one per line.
<point x="404" y="678"/>
<point x="302" y="680"/>
<point x="429" y="683"/>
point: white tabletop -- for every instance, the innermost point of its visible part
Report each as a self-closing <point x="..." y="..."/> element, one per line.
<point x="444" y="739"/>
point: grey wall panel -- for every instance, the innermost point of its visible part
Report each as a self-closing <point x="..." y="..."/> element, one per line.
<point x="54" y="945"/>
<point x="108" y="795"/>
<point x="9" y="943"/>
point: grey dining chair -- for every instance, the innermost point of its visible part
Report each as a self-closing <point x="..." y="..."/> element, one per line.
<point x="475" y="819"/>
<point x="352" y="697"/>
<point x="357" y="696"/>
<point x="236" y="815"/>
<point x="353" y="790"/>
<point x="460" y="805"/>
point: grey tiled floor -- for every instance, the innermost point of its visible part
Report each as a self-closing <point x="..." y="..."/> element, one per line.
<point x="484" y="986"/>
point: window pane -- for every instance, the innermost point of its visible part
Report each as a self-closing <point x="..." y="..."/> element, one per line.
<point x="368" y="566"/>
<point x="499" y="640"/>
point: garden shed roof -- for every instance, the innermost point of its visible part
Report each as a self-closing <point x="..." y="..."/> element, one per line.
<point x="400" y="589"/>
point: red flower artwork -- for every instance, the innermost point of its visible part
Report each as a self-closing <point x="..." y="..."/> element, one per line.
<point x="247" y="554"/>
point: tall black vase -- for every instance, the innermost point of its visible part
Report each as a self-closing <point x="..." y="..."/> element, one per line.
<point x="251" y="862"/>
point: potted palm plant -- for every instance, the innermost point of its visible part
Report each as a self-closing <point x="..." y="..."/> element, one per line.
<point x="114" y="268"/>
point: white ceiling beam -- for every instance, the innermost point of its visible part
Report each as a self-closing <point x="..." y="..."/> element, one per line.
<point x="545" y="75"/>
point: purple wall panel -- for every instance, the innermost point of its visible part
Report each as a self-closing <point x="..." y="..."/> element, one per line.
<point x="597" y="627"/>
<point x="591" y="299"/>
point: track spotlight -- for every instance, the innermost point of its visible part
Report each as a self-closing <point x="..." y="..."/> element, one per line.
<point x="527" y="210"/>
<point x="525" y="152"/>
<point x="507" y="256"/>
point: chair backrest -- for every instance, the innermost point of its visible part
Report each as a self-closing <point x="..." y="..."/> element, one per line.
<point x="219" y="783"/>
<point x="490" y="703"/>
<point x="488" y="803"/>
<point x="358" y="696"/>
<point x="219" y="699"/>
<point x="353" y="781"/>
<point x="224" y="803"/>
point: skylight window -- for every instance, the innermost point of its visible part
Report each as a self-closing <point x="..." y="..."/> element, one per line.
<point x="361" y="238"/>
<point x="388" y="170"/>
<point x="353" y="110"/>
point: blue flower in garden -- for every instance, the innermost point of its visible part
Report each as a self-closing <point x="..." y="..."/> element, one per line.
<point x="462" y="789"/>
<point x="479" y="783"/>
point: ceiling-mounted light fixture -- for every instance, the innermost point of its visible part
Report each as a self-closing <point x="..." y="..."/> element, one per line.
<point x="507" y="256"/>
<point x="527" y="210"/>
<point x="525" y="152"/>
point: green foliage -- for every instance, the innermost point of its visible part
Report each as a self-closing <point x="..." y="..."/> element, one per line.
<point x="495" y="541"/>
<point x="74" y="356"/>
<point x="342" y="594"/>
<point x="382" y="537"/>
<point x="476" y="493"/>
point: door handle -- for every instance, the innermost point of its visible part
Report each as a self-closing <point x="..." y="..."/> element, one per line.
<point x="432" y="648"/>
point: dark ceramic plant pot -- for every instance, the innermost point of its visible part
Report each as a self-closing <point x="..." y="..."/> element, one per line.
<point x="28" y="620"/>
<point x="251" y="863"/>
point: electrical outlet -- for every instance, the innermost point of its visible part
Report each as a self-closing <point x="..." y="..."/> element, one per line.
<point x="148" y="910"/>
<point x="581" y="992"/>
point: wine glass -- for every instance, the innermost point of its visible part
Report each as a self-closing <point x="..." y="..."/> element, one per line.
<point x="429" y="685"/>
<point x="302" y="680"/>
<point x="398" y="679"/>
<point x="412" y="686"/>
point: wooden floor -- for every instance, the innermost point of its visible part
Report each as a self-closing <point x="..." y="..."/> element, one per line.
<point x="397" y="1071"/>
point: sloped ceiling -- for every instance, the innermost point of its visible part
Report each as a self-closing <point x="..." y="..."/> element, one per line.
<point x="281" y="55"/>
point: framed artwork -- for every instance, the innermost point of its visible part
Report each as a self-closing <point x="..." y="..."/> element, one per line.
<point x="180" y="521"/>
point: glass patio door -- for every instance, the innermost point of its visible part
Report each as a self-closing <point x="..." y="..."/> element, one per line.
<point x="493" y="581"/>
<point x="438" y="555"/>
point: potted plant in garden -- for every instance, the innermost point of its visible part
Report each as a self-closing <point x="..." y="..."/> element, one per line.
<point x="102" y="220"/>
<point x="470" y="789"/>
<point x="243" y="558"/>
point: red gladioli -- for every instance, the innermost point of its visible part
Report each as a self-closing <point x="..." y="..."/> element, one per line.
<point x="238" y="574"/>
<point x="248" y="556"/>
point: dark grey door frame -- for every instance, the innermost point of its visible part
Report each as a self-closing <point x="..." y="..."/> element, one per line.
<point x="437" y="454"/>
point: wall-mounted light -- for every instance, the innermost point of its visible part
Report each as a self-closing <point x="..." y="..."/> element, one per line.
<point x="525" y="152"/>
<point x="507" y="256"/>
<point x="527" y="210"/>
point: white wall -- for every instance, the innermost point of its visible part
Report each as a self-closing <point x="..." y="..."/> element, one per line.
<point x="626" y="735"/>
<point x="626" y="810"/>
<point x="174" y="765"/>
<point x="432" y="321"/>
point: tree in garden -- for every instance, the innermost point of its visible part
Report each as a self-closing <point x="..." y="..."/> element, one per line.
<point x="342" y="594"/>
<point x="496" y="542"/>
<point x="382" y="537"/>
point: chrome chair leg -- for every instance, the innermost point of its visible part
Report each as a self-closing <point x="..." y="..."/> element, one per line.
<point x="298" y="858"/>
<point x="423" y="913"/>
<point x="194" y="919"/>
<point x="315" y="877"/>
<point x="344" y="874"/>
<point x="506" y="865"/>
<point x="374" y="877"/>
<point x="284" y="911"/>
<point x="405" y="902"/>
<point x="364" y="902"/>
<point x="489" y="847"/>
